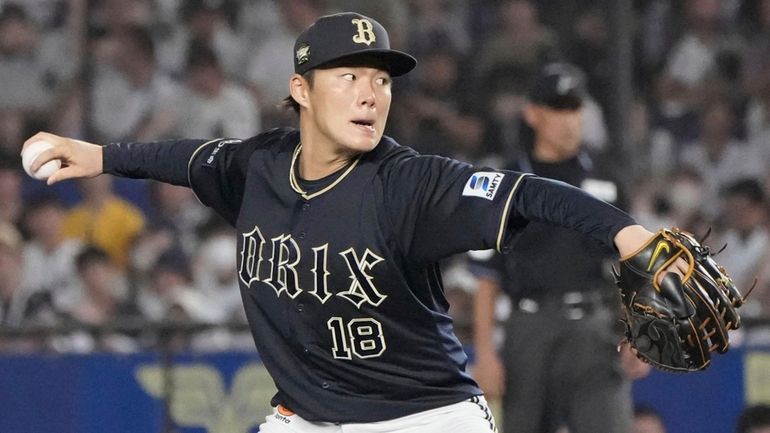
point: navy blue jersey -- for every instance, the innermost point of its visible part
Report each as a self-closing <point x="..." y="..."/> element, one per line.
<point x="340" y="281"/>
<point x="339" y="276"/>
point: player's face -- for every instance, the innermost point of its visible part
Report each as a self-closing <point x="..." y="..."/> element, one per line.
<point x="347" y="107"/>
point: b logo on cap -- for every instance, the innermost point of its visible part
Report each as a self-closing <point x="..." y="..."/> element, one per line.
<point x="365" y="34"/>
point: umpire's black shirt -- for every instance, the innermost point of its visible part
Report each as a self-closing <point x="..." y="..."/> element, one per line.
<point x="549" y="261"/>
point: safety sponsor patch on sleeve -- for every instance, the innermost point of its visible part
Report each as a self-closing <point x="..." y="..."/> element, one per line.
<point x="483" y="184"/>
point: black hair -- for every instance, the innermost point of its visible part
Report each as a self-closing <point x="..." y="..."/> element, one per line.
<point x="141" y="38"/>
<point x="749" y="188"/>
<point x="90" y="255"/>
<point x="201" y="55"/>
<point x="753" y="416"/>
<point x="13" y="10"/>
<point x="42" y="201"/>
<point x="644" y="410"/>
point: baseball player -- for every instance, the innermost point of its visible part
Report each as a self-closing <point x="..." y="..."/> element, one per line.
<point x="340" y="230"/>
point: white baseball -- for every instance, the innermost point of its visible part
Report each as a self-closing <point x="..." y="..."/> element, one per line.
<point x="31" y="153"/>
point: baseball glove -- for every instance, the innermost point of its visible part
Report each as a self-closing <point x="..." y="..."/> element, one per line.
<point x="674" y="323"/>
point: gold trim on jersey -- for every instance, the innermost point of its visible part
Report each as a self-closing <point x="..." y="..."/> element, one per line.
<point x="295" y="183"/>
<point x="504" y="220"/>
<point x="189" y="166"/>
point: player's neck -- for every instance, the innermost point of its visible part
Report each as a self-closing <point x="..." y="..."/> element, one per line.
<point x="316" y="163"/>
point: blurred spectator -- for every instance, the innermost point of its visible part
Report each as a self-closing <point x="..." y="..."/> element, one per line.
<point x="589" y="47"/>
<point x="269" y="65"/>
<point x="104" y="219"/>
<point x="33" y="66"/>
<point x="505" y="133"/>
<point x="655" y="36"/>
<point x="756" y="76"/>
<point x="216" y="276"/>
<point x="758" y="120"/>
<point x="131" y="99"/>
<point x="435" y="23"/>
<point x="10" y="189"/>
<point x="745" y="232"/>
<point x="754" y="419"/>
<point x="717" y="156"/>
<point x="18" y="305"/>
<point x="212" y="105"/>
<point x="675" y="200"/>
<point x="102" y="288"/>
<point x="49" y="258"/>
<point x="433" y="117"/>
<point x="212" y="21"/>
<point x="521" y="44"/>
<point x="13" y="127"/>
<point x="100" y="301"/>
<point x="170" y="283"/>
<point x="121" y="15"/>
<point x="648" y="420"/>
<point x="701" y="64"/>
<point x="177" y="216"/>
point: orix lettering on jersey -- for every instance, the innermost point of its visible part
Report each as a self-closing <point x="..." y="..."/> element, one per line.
<point x="273" y="261"/>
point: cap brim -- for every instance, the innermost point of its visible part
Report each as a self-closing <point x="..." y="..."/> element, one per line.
<point x="397" y="62"/>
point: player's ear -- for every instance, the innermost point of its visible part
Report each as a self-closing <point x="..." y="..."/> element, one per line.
<point x="298" y="89"/>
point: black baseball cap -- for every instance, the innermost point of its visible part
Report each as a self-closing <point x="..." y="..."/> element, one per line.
<point x="559" y="85"/>
<point x="344" y="35"/>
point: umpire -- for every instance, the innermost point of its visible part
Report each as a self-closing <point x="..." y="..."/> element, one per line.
<point x="559" y="364"/>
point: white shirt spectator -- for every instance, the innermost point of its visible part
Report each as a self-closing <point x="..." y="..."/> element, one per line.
<point x="270" y="64"/>
<point x="119" y="108"/>
<point x="54" y="270"/>
<point x="744" y="257"/>
<point x="231" y="113"/>
<point x="691" y="60"/>
<point x="737" y="161"/>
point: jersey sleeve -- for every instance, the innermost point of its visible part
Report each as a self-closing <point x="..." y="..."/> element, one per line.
<point x="558" y="203"/>
<point x="165" y="161"/>
<point x="441" y="206"/>
<point x="217" y="174"/>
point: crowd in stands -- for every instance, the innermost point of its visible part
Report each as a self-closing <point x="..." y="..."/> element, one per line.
<point x="103" y="250"/>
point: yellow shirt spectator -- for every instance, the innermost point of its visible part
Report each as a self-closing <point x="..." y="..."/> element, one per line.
<point x="104" y="220"/>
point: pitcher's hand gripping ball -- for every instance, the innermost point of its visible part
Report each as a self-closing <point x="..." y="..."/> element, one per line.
<point x="674" y="323"/>
<point x="29" y="156"/>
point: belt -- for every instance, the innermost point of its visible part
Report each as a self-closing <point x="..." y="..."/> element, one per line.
<point x="571" y="305"/>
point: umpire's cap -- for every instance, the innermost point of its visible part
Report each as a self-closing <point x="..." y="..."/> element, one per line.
<point x="559" y="85"/>
<point x="343" y="35"/>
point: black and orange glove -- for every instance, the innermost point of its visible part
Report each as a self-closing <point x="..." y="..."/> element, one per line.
<point x="675" y="322"/>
